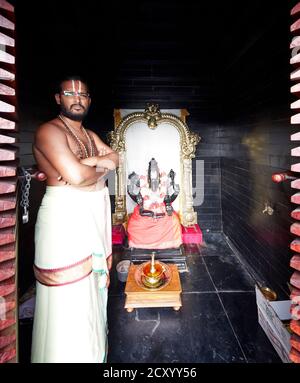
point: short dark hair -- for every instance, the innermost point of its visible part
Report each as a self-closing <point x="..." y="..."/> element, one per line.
<point x="70" y="78"/>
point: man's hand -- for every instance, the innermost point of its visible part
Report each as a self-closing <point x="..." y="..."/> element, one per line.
<point x="90" y="161"/>
<point x="103" y="163"/>
<point x="106" y="163"/>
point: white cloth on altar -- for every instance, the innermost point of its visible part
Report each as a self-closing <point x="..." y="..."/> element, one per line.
<point x="70" y="323"/>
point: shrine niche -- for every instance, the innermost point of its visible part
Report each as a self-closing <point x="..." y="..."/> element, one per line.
<point x="163" y="135"/>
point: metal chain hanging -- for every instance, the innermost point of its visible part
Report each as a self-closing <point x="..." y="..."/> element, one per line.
<point x="25" y="188"/>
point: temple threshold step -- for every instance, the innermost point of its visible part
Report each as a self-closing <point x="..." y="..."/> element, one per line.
<point x="158" y="252"/>
<point x="179" y="262"/>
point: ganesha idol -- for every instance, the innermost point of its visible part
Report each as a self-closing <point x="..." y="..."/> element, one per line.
<point x="153" y="224"/>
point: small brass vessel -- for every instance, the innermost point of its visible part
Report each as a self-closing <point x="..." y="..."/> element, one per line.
<point x="153" y="273"/>
<point x="268" y="293"/>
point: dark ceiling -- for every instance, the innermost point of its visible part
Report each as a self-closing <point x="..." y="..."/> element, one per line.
<point x="115" y="42"/>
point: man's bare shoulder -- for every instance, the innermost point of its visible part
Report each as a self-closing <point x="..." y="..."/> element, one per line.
<point x="52" y="126"/>
<point x="48" y="132"/>
<point x="49" y="128"/>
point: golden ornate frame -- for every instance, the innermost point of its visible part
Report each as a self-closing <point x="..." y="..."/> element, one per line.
<point x="188" y="141"/>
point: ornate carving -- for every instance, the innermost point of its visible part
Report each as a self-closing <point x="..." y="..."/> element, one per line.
<point x="120" y="201"/>
<point x="189" y="217"/>
<point x="189" y="145"/>
<point x="116" y="142"/>
<point x="152" y="114"/>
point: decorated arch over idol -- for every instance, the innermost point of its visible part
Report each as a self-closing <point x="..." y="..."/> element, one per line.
<point x="141" y="137"/>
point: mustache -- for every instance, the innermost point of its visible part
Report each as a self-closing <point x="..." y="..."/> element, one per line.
<point x="77" y="105"/>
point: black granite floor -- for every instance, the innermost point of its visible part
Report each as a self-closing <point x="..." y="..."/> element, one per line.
<point x="216" y="324"/>
<point x="217" y="321"/>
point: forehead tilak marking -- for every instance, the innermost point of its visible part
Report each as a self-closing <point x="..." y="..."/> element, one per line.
<point x="74" y="85"/>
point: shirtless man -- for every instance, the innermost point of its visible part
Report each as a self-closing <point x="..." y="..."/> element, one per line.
<point x="72" y="234"/>
<point x="59" y="153"/>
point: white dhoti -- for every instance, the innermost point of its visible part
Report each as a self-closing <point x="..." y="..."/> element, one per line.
<point x="72" y="242"/>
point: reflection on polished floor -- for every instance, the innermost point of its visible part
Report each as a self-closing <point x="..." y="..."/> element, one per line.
<point x="216" y="324"/>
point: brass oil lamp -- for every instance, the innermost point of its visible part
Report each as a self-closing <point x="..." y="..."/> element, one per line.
<point x="153" y="273"/>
